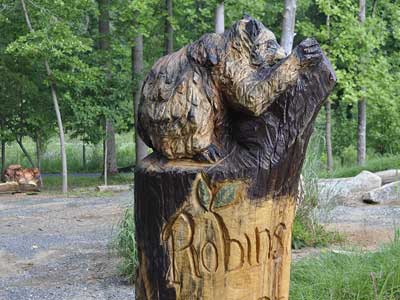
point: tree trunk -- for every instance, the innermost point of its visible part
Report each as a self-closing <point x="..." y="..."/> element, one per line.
<point x="362" y="108"/>
<point x="105" y="162"/>
<point x="84" y="155"/>
<point x="137" y="82"/>
<point x="362" y="132"/>
<point x="328" y="119"/>
<point x="104" y="45"/>
<point x="112" y="167"/>
<point x="374" y="6"/>
<point x="288" y="23"/>
<point x="3" y="157"/>
<point x="169" y="31"/>
<point x="220" y="18"/>
<point x="328" y="136"/>
<point x="38" y="153"/>
<point x="26" y="153"/>
<point x="38" y="159"/>
<point x="56" y="108"/>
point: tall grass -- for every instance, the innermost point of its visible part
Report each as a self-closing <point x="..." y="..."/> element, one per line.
<point x="353" y="276"/>
<point x="307" y="232"/>
<point x="373" y="164"/>
<point x="125" y="247"/>
<point x="51" y="162"/>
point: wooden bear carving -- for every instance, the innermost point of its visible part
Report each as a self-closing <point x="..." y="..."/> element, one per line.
<point x="229" y="118"/>
<point x="190" y="98"/>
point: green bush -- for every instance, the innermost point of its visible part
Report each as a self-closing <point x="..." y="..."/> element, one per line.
<point x="125" y="246"/>
<point x="306" y="230"/>
<point x="349" y="275"/>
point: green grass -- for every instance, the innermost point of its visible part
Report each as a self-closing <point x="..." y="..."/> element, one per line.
<point x="358" y="276"/>
<point x="53" y="183"/>
<point x="373" y="164"/>
<point x="309" y="234"/>
<point x="125" y="247"/>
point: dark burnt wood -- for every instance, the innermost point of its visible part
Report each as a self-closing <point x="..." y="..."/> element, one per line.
<point x="261" y="145"/>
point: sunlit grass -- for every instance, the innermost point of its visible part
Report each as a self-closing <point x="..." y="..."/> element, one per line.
<point x="349" y="276"/>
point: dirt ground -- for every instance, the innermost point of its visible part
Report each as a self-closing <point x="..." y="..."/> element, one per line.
<point x="55" y="248"/>
<point x="364" y="227"/>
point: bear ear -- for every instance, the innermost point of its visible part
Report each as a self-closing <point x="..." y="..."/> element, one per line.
<point x="253" y="28"/>
<point x="207" y="50"/>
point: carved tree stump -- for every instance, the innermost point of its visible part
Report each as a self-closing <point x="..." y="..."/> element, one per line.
<point x="215" y="202"/>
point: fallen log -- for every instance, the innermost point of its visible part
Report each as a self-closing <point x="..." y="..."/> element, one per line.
<point x="115" y="188"/>
<point x="9" y="187"/>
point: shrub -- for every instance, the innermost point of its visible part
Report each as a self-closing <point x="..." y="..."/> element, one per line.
<point x="125" y="246"/>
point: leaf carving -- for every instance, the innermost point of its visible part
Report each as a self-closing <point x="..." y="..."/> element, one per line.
<point x="204" y="193"/>
<point x="225" y="195"/>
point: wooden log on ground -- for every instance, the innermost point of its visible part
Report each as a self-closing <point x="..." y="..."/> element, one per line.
<point x="114" y="188"/>
<point x="389" y="176"/>
<point x="229" y="124"/>
<point x="9" y="187"/>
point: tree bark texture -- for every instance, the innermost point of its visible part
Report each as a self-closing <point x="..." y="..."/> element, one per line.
<point x="362" y="107"/>
<point x="169" y="31"/>
<point x="112" y="167"/>
<point x="84" y="156"/>
<point x="104" y="45"/>
<point x="362" y="132"/>
<point x="220" y="18"/>
<point x="137" y="82"/>
<point x="215" y="202"/>
<point x="328" y="118"/>
<point x="39" y="159"/>
<point x="328" y="136"/>
<point x="288" y="24"/>
<point x="56" y="108"/>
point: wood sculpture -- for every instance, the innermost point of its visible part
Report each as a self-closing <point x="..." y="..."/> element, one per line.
<point x="229" y="118"/>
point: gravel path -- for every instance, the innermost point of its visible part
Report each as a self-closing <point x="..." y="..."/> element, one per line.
<point x="54" y="248"/>
<point x="365" y="225"/>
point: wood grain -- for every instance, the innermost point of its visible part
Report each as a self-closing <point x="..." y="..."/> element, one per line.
<point x="229" y="120"/>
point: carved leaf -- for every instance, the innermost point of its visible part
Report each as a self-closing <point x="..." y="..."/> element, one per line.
<point x="204" y="193"/>
<point x="225" y="195"/>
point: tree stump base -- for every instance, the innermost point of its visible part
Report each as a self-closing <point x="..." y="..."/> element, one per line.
<point x="203" y="236"/>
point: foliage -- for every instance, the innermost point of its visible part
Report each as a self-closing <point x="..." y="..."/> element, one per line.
<point x="349" y="276"/>
<point x="307" y="232"/>
<point x="125" y="246"/>
<point x="366" y="59"/>
<point x="375" y="163"/>
<point x="50" y="158"/>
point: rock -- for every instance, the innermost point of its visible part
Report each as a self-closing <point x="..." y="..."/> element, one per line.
<point x="383" y="195"/>
<point x="341" y="189"/>
<point x="334" y="189"/>
<point x="389" y="176"/>
<point x="365" y="181"/>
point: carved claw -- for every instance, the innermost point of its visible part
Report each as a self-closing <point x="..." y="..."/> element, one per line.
<point x="309" y="52"/>
<point x="212" y="154"/>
